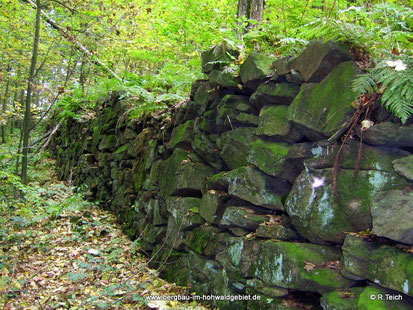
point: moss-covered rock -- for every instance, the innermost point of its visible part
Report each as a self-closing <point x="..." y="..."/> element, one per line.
<point x="274" y="93"/>
<point x="243" y="217"/>
<point x="152" y="179"/>
<point x="390" y="134"/>
<point x="228" y="111"/>
<point x="255" y="70"/>
<point x="273" y="122"/>
<point x="271" y="291"/>
<point x="204" y="95"/>
<point x="184" y="215"/>
<point x="212" y="76"/>
<point x="404" y="167"/>
<point x="364" y="298"/>
<point x="268" y="156"/>
<point x="211" y="207"/>
<point x="319" y="59"/>
<point x="182" y="135"/>
<point x="177" y="270"/>
<point x="209" y="277"/>
<point x="251" y="185"/>
<point x="227" y="78"/>
<point x="168" y="175"/>
<point x="275" y="231"/>
<point x="249" y="119"/>
<point x="321" y="109"/>
<point x="235" y="146"/>
<point x="206" y="149"/>
<point x="372" y="158"/>
<point x="392" y="215"/>
<point x="190" y="178"/>
<point x="384" y="265"/>
<point x="194" y="87"/>
<point x="320" y="216"/>
<point x="299" y="266"/>
<point x="209" y="240"/>
<point x="107" y="142"/>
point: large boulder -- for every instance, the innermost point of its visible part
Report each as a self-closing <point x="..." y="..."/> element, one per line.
<point x="206" y="149"/>
<point x="268" y="156"/>
<point x="322" y="109"/>
<point x="273" y="122"/>
<point x="242" y="216"/>
<point x="404" y="167"/>
<point x="180" y="175"/>
<point x="235" y="145"/>
<point x="389" y="134"/>
<point x="255" y="70"/>
<point x="299" y="266"/>
<point x="204" y="95"/>
<point x="227" y="78"/>
<point x="184" y="215"/>
<point x="319" y="59"/>
<point x="320" y="216"/>
<point x="274" y="93"/>
<point x="251" y="185"/>
<point x="372" y="158"/>
<point x="392" y="214"/>
<point x="211" y="206"/>
<point x="274" y="229"/>
<point x="382" y="264"/>
<point x="182" y="135"/>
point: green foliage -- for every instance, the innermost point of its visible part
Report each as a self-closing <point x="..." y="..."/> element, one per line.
<point x="376" y="29"/>
<point x="394" y="79"/>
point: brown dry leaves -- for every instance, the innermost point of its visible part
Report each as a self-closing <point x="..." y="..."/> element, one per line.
<point x="79" y="260"/>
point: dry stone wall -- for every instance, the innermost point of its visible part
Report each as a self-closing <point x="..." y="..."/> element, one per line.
<point x="231" y="192"/>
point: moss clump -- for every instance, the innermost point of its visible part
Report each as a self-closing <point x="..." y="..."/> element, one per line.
<point x="268" y="156"/>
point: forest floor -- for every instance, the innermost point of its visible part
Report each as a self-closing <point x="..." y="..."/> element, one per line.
<point x="58" y="251"/>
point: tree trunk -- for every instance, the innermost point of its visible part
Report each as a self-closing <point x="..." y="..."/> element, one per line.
<point x="3" y="109"/>
<point x="249" y="9"/>
<point x="27" y="114"/>
<point x="16" y="97"/>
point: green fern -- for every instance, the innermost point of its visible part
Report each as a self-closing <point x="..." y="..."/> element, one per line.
<point x="395" y="84"/>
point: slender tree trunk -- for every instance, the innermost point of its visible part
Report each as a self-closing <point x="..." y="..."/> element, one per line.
<point x="27" y="114"/>
<point x="82" y="77"/>
<point x="249" y="9"/>
<point x="3" y="109"/>
<point x="12" y="123"/>
<point x="20" y="126"/>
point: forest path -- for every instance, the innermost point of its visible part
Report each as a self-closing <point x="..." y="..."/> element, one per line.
<point x="58" y="251"/>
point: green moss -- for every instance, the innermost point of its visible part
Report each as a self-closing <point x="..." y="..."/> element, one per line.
<point x="268" y="156"/>
<point x="199" y="241"/>
<point x="365" y="302"/>
<point x="255" y="66"/>
<point x="182" y="134"/>
<point x="168" y="177"/>
<point x="122" y="149"/>
<point x="328" y="102"/>
<point x="96" y="135"/>
<point x="334" y="300"/>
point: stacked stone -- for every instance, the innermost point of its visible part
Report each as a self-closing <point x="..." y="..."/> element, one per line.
<point x="234" y="189"/>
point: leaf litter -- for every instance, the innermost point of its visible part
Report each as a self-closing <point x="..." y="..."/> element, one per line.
<point x="71" y="254"/>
